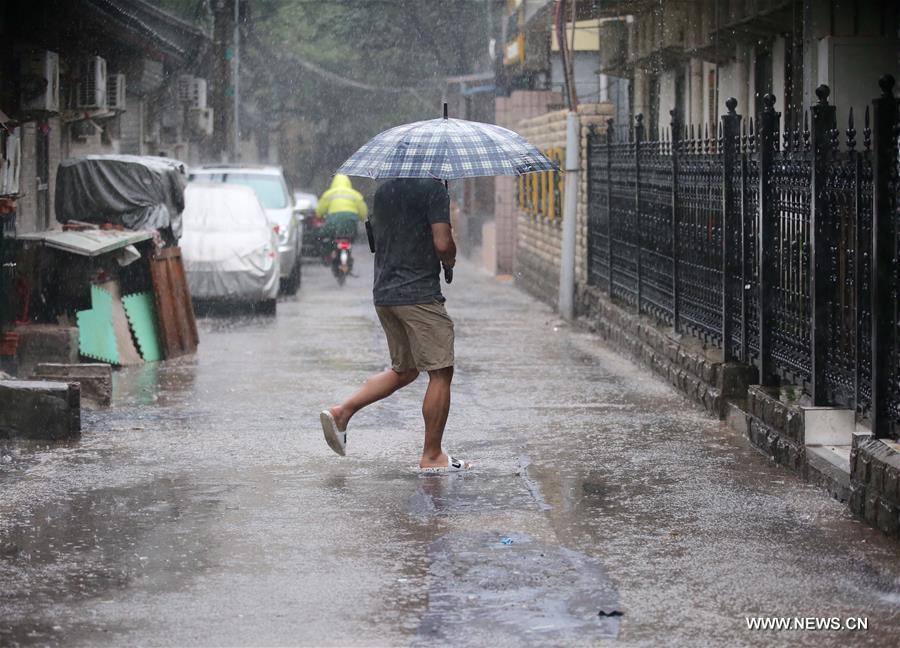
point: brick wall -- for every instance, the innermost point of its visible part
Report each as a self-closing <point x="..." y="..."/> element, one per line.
<point x="509" y="113"/>
<point x="539" y="239"/>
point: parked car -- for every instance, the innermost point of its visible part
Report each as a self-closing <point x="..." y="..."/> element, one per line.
<point x="306" y="203"/>
<point x="271" y="189"/>
<point x="229" y="246"/>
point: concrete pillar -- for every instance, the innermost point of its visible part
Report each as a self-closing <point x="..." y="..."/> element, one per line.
<point x="639" y="92"/>
<point x="741" y="82"/>
<point x="695" y="81"/>
<point x="489" y="247"/>
<point x="778" y="54"/>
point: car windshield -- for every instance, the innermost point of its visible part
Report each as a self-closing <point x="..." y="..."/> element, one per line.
<point x="269" y="189"/>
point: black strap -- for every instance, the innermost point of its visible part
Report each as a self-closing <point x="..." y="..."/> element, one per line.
<point x="370" y="235"/>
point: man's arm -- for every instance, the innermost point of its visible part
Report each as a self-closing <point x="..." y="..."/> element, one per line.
<point x="442" y="237"/>
<point x="362" y="209"/>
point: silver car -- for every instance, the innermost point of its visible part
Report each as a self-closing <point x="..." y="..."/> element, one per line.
<point x="271" y="189"/>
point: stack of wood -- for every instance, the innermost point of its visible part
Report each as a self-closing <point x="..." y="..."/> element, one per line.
<point x="174" y="309"/>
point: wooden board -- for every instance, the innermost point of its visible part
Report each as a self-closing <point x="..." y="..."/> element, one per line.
<point x="174" y="309"/>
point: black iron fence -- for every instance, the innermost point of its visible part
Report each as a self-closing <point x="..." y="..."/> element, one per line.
<point x="777" y="244"/>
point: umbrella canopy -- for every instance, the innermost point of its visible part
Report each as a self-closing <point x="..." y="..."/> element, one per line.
<point x="446" y="149"/>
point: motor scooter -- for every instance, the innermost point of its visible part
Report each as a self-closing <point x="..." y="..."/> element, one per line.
<point x="342" y="260"/>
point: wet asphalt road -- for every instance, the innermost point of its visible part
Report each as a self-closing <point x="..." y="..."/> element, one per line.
<point x="205" y="508"/>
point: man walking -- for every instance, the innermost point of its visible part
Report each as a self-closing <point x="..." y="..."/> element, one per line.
<point x="412" y="239"/>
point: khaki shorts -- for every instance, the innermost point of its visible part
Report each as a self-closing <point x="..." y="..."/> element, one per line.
<point x="419" y="336"/>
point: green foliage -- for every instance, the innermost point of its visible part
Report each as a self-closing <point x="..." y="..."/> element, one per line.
<point x="301" y="61"/>
<point x="404" y="47"/>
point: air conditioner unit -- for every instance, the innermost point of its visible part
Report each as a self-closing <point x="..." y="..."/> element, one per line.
<point x="91" y="87"/>
<point x="115" y="92"/>
<point x="184" y="87"/>
<point x="40" y="82"/>
<point x="197" y="99"/>
<point x="85" y="129"/>
<point x="202" y="120"/>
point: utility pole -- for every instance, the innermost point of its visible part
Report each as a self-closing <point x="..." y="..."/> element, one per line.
<point x="236" y="84"/>
<point x="572" y="170"/>
<point x="224" y="69"/>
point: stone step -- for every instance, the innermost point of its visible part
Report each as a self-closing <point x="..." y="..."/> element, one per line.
<point x="95" y="379"/>
<point x="828" y="466"/>
<point x="40" y="409"/>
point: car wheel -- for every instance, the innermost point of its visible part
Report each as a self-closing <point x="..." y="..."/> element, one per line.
<point x="267" y="307"/>
<point x="291" y="283"/>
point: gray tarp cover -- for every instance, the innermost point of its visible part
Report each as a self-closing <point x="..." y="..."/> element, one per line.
<point x="138" y="192"/>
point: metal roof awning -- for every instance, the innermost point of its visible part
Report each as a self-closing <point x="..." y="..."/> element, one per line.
<point x="89" y="243"/>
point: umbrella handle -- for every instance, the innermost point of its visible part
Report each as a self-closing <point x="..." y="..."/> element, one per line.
<point x="448" y="274"/>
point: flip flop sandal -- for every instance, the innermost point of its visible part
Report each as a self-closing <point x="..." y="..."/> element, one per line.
<point x="335" y="439"/>
<point x="453" y="465"/>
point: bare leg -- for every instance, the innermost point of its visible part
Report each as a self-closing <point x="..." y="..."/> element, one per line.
<point x="435" y="409"/>
<point x="379" y="386"/>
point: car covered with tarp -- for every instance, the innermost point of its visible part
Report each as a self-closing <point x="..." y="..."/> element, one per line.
<point x="135" y="192"/>
<point x="230" y="246"/>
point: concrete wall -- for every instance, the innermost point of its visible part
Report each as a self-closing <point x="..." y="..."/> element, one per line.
<point x="587" y="81"/>
<point x="131" y="127"/>
<point x="56" y="156"/>
<point x="734" y="81"/>
<point x="667" y="96"/>
<point x="539" y="238"/>
<point x="26" y="205"/>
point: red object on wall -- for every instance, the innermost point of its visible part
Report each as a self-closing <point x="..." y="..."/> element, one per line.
<point x="9" y="343"/>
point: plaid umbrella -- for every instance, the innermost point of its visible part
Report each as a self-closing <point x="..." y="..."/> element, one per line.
<point x="446" y="149"/>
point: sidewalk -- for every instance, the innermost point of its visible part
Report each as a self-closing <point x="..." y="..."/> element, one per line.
<point x="205" y="509"/>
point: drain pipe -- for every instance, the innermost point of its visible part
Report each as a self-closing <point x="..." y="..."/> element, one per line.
<point x="570" y="207"/>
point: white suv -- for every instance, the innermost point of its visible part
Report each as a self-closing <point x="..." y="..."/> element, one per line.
<point x="271" y="189"/>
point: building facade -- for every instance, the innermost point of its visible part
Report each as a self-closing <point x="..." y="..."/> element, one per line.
<point x="97" y="77"/>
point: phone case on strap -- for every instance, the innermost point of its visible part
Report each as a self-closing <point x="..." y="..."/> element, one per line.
<point x="370" y="235"/>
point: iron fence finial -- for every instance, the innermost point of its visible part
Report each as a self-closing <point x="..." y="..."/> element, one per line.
<point x="823" y="92"/>
<point x="851" y="131"/>
<point x="805" y="130"/>
<point x="731" y="104"/>
<point x="886" y="83"/>
<point x="834" y="133"/>
<point x="769" y="103"/>
<point x="867" y="131"/>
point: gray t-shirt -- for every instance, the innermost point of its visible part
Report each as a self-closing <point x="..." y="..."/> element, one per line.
<point x="407" y="269"/>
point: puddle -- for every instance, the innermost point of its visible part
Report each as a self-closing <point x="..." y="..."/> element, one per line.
<point x="482" y="590"/>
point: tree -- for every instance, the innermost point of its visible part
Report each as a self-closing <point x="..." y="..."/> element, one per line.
<point x="347" y="69"/>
